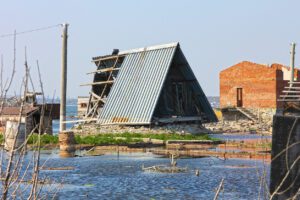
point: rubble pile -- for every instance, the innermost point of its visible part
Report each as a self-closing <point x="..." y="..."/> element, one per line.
<point x="93" y="129"/>
<point x="240" y="126"/>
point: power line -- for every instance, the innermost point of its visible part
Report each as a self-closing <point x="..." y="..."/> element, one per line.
<point x="30" y="31"/>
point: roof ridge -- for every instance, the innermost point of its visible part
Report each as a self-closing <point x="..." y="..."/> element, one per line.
<point x="149" y="48"/>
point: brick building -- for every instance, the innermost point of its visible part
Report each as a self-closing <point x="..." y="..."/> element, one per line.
<point x="250" y="87"/>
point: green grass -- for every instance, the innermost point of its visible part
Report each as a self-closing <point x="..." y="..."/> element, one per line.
<point x="265" y="145"/>
<point x="103" y="139"/>
<point x="1" y="138"/>
<point x="45" y="139"/>
<point x="165" y="137"/>
<point x="127" y="138"/>
<point x="115" y="139"/>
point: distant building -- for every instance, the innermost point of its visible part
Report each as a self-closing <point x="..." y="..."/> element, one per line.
<point x="82" y="103"/>
<point x="252" y="88"/>
<point x="150" y="85"/>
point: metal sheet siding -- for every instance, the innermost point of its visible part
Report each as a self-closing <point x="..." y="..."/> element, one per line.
<point x="135" y="93"/>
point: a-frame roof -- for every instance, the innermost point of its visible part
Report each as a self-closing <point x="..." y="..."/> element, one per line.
<point x="135" y="93"/>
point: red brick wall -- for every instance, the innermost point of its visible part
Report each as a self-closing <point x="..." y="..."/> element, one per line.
<point x="261" y="85"/>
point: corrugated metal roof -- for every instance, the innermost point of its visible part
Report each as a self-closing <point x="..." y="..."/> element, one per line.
<point x="137" y="88"/>
<point x="134" y="95"/>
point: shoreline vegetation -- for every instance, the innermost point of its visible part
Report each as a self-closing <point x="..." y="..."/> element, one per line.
<point x="116" y="138"/>
<point x="185" y="145"/>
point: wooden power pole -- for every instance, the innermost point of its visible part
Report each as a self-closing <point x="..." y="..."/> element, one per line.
<point x="63" y="94"/>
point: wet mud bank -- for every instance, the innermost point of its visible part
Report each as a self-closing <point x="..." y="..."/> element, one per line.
<point x="246" y="149"/>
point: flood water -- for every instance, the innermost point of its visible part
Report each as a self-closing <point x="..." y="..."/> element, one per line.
<point x="121" y="177"/>
<point x="237" y="137"/>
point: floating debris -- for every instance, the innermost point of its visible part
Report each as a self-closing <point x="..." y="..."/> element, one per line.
<point x="172" y="168"/>
<point x="165" y="169"/>
<point x="238" y="166"/>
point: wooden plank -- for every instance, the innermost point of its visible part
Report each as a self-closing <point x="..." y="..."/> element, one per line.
<point x="97" y="83"/>
<point x="103" y="70"/>
<point x="80" y="120"/>
<point x="169" y="120"/>
<point x="294" y="83"/>
<point x="291" y="91"/>
<point x="107" y="58"/>
<point x="97" y="100"/>
<point x="289" y="100"/>
<point x="290" y="96"/>
<point x="95" y="95"/>
<point x="289" y="87"/>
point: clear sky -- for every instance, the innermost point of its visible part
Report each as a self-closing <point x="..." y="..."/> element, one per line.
<point x="213" y="34"/>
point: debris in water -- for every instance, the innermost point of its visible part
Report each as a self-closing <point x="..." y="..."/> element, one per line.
<point x="166" y="169"/>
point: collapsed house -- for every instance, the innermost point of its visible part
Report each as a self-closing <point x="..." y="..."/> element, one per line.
<point x="146" y="86"/>
<point x="31" y="114"/>
<point x="253" y="91"/>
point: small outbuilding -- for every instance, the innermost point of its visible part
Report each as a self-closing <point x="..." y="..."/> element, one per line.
<point x="150" y="85"/>
<point x="32" y="114"/>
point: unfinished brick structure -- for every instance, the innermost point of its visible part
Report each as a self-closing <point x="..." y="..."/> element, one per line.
<point x="251" y="86"/>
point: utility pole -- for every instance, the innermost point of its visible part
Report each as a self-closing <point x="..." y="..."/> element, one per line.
<point x="63" y="94"/>
<point x="292" y="63"/>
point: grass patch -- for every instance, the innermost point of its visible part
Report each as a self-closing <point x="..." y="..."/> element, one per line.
<point x="116" y="139"/>
<point x="265" y="145"/>
<point x="128" y="138"/>
<point x="1" y="138"/>
<point x="45" y="139"/>
<point x="166" y="137"/>
<point x="103" y="139"/>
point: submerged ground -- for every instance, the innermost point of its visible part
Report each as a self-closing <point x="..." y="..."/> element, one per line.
<point x="121" y="176"/>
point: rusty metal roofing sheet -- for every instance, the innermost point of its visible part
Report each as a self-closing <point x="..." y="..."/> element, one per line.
<point x="134" y="95"/>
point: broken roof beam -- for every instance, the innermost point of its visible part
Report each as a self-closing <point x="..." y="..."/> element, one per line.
<point x="97" y="97"/>
<point x="80" y="120"/>
<point x="98" y="83"/>
<point x="104" y="70"/>
<point x="106" y="58"/>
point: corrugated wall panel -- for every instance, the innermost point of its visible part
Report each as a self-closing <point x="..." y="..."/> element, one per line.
<point x="135" y="93"/>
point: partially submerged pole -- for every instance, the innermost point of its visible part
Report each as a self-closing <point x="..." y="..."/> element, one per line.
<point x="292" y="63"/>
<point x="66" y="144"/>
<point x="63" y="96"/>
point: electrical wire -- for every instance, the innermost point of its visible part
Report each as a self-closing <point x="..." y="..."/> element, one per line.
<point x="30" y="31"/>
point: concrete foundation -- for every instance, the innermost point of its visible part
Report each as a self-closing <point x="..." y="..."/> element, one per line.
<point x="285" y="166"/>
